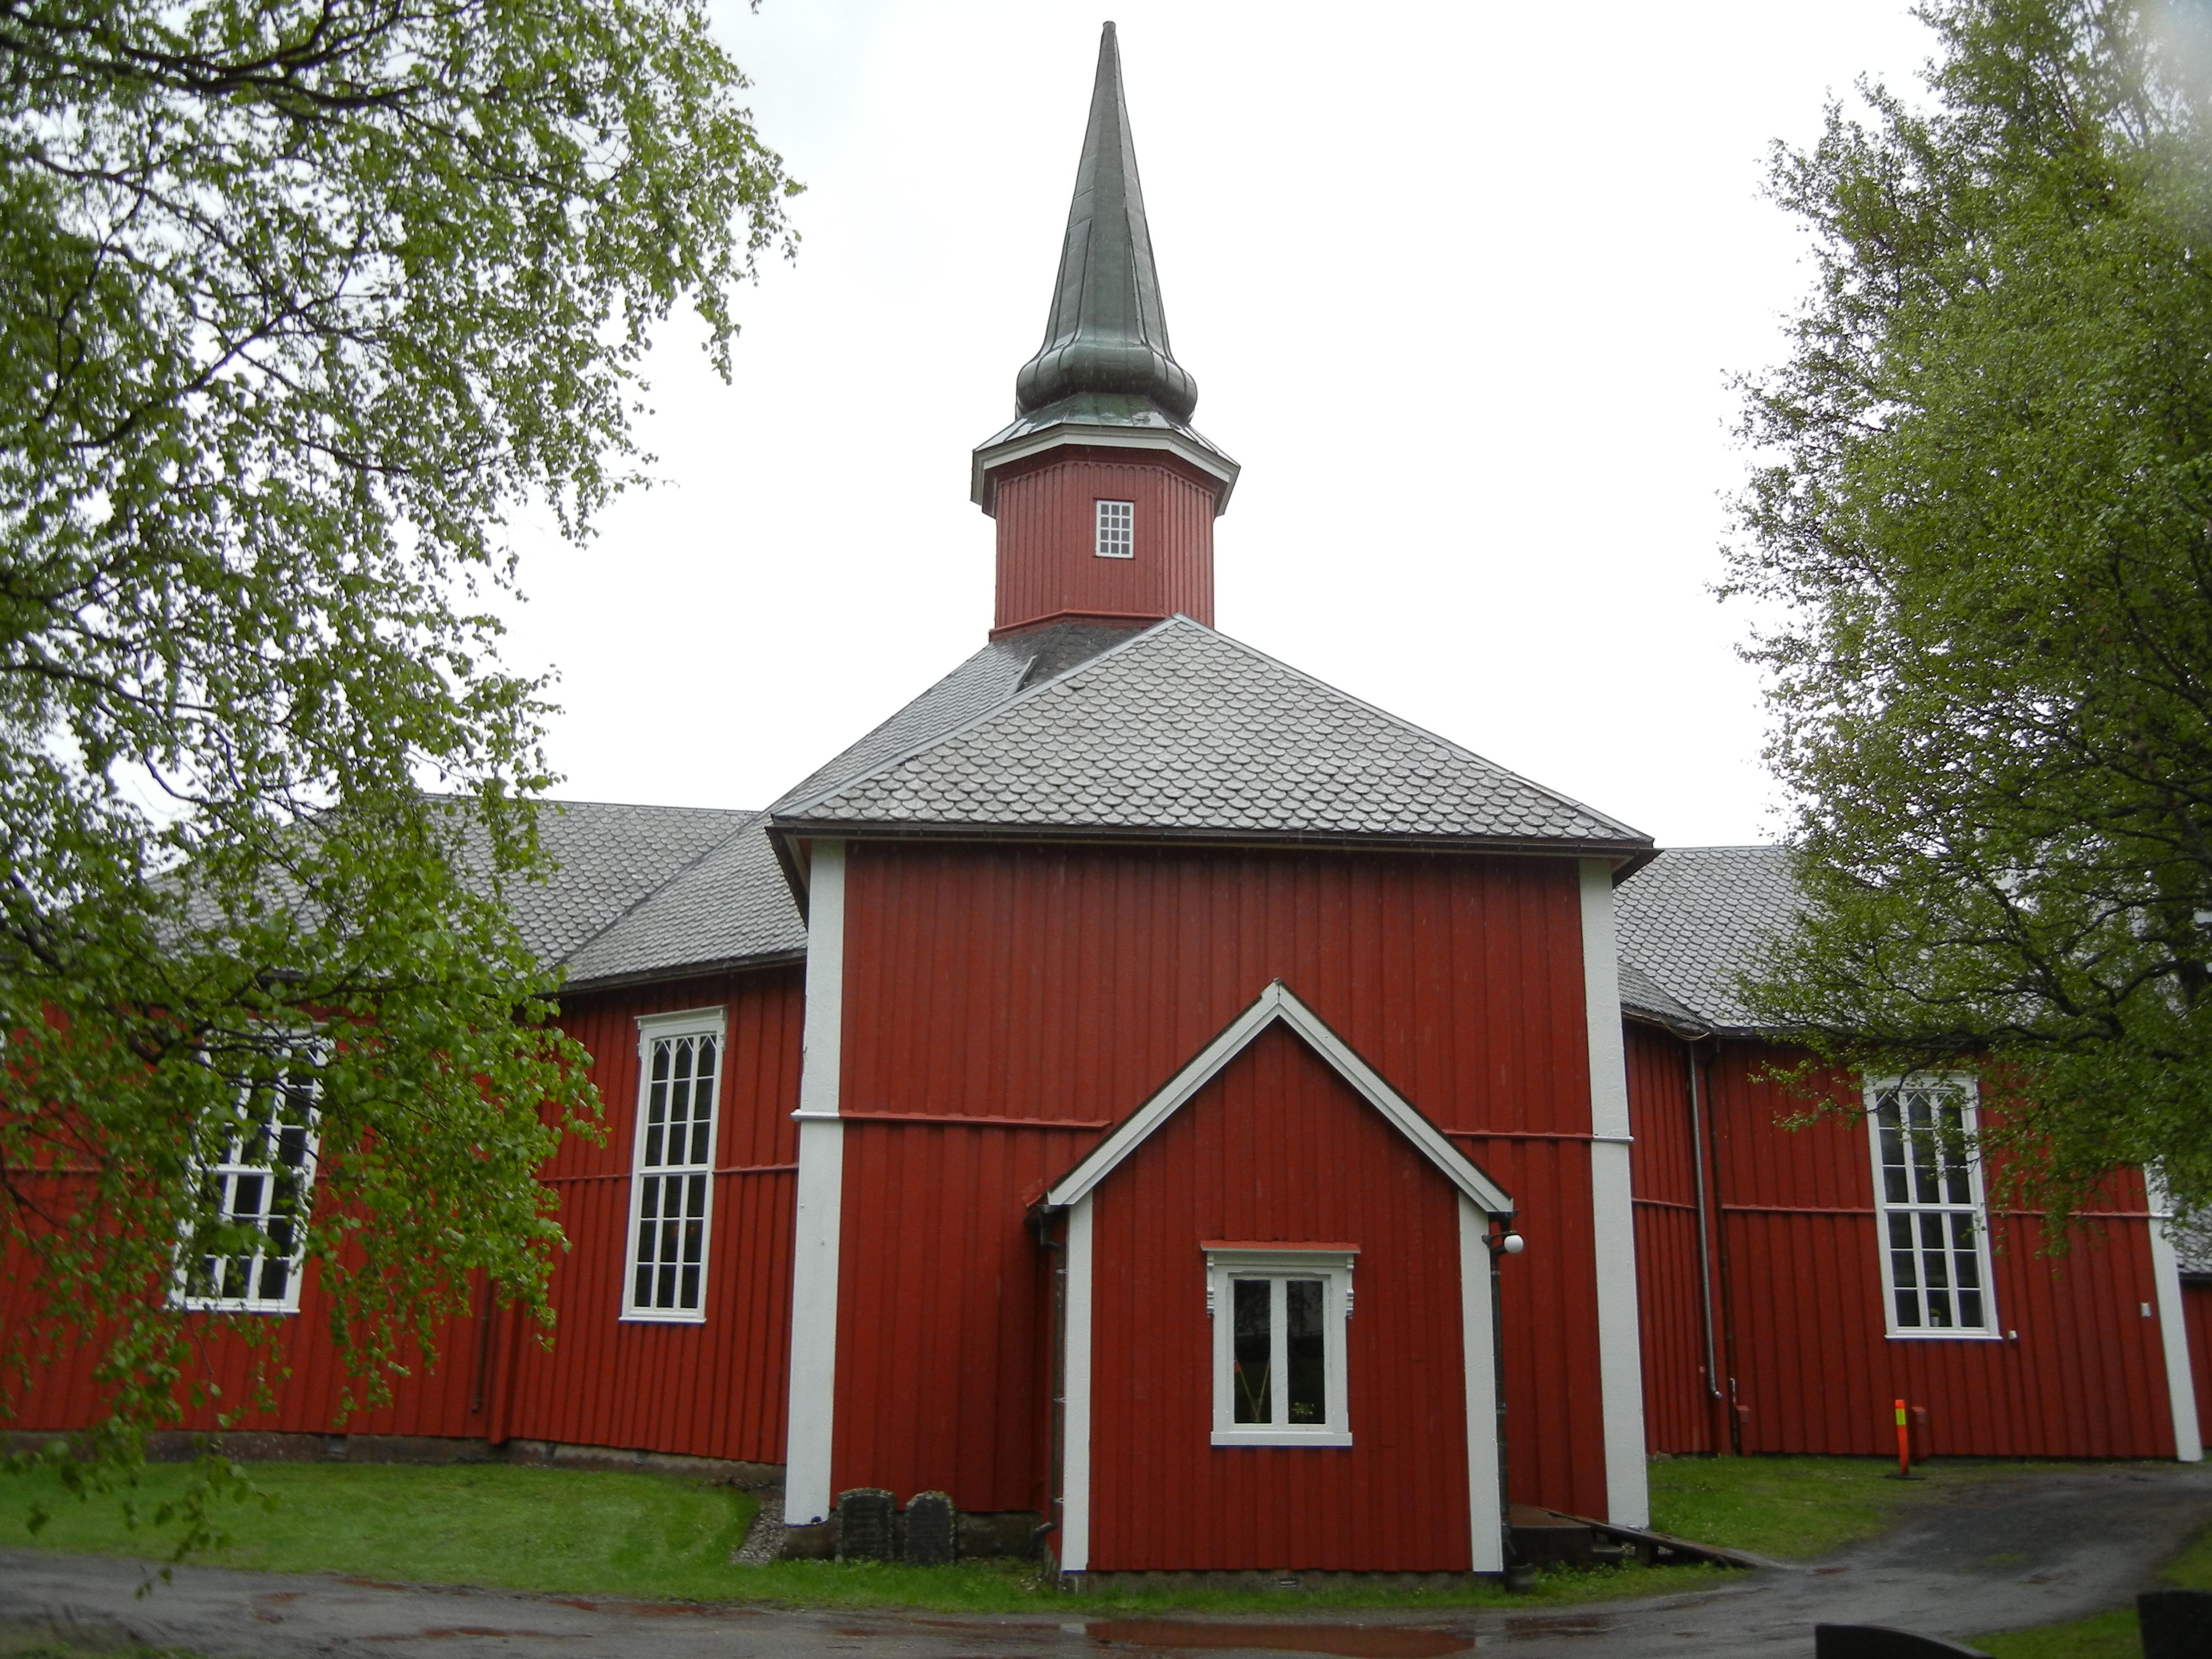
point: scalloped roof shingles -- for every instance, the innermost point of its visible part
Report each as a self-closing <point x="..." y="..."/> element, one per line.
<point x="1693" y="919"/>
<point x="1182" y="729"/>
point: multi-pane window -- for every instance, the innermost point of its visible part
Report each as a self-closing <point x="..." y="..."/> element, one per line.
<point x="255" y="1189"/>
<point x="673" y="1182"/>
<point x="1117" y="530"/>
<point x="1278" y="1359"/>
<point x="1935" y="1246"/>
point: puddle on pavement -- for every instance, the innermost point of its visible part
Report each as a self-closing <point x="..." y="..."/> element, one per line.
<point x="1346" y="1641"/>
<point x="1527" y="1629"/>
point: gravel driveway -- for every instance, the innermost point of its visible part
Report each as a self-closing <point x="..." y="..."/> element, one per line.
<point x="1993" y="1554"/>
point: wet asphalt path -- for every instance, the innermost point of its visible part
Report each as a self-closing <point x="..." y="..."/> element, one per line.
<point x="1988" y="1555"/>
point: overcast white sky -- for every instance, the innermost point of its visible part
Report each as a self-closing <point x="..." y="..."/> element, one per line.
<point x="1461" y="286"/>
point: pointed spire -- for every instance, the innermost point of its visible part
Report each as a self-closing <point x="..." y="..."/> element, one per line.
<point x="1107" y="335"/>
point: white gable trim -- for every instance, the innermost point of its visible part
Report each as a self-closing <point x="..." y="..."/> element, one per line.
<point x="1276" y="1003"/>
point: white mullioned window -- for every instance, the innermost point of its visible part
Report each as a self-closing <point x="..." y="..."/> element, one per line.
<point x="1279" y="1314"/>
<point x="1928" y="1195"/>
<point x="259" y="1181"/>
<point x="1117" y="530"/>
<point x="672" y="1168"/>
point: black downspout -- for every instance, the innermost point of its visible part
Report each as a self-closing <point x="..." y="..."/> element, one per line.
<point x="1056" y="1493"/>
<point x="1705" y="1237"/>
<point x="1496" y="1240"/>
<point x="1727" y="1319"/>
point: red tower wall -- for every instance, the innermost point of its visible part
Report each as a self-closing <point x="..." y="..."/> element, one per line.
<point x="1048" y="568"/>
<point x="1003" y="1006"/>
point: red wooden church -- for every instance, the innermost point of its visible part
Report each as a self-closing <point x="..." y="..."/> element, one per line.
<point x="1141" y="1088"/>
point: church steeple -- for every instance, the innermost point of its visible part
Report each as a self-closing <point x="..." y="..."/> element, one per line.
<point x="1107" y="337"/>
<point x="1104" y="494"/>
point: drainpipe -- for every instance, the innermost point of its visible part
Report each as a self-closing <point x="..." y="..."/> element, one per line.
<point x="1056" y="1474"/>
<point x="1499" y="1248"/>
<point x="1721" y="1253"/>
<point x="1705" y="1237"/>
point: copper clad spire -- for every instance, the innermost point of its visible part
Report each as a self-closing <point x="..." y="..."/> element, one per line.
<point x="1107" y="338"/>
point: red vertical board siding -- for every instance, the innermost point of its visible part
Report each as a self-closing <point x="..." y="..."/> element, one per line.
<point x="2196" y="1313"/>
<point x="1811" y="1353"/>
<point x="1277" y="1148"/>
<point x="1048" y="564"/>
<point x="712" y="1389"/>
<point x="1065" y="986"/>
<point x="1678" y="1416"/>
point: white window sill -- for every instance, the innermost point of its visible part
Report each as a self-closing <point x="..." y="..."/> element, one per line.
<point x="661" y="1316"/>
<point x="1951" y="1335"/>
<point x="217" y="1305"/>
<point x="1259" y="1437"/>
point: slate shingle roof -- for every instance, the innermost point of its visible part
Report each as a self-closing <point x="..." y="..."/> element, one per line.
<point x="610" y="858"/>
<point x="1180" y="729"/>
<point x="1691" y="920"/>
<point x="1640" y="994"/>
<point x="640" y="891"/>
<point x="733" y="905"/>
<point x="985" y="681"/>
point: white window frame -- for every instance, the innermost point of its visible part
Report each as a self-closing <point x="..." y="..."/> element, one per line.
<point x="653" y="1029"/>
<point x="1114" y="534"/>
<point x="301" y="1047"/>
<point x="1963" y="1087"/>
<point x="1332" y="1264"/>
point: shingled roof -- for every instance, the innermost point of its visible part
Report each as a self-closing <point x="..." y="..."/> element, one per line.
<point x="608" y="858"/>
<point x="1693" y="918"/>
<point x="649" y="892"/>
<point x="1181" y="731"/>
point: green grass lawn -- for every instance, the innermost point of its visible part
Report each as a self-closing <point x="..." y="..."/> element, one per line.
<point x="1796" y="1509"/>
<point x="657" y="1537"/>
<point x="644" y="1536"/>
<point x="2109" y="1635"/>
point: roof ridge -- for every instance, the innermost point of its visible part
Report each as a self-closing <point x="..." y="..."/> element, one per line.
<point x="1403" y="724"/>
<point x="1021" y="696"/>
<point x="752" y="818"/>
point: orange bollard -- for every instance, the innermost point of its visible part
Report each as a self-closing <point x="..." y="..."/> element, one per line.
<point x="1904" y="1444"/>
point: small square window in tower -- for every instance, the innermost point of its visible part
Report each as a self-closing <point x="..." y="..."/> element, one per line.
<point x="1117" y="530"/>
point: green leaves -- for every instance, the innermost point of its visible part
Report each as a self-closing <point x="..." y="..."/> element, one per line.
<point x="297" y="301"/>
<point x="1985" y="504"/>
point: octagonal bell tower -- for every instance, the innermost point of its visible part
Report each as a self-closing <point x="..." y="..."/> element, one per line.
<point x="1104" y="494"/>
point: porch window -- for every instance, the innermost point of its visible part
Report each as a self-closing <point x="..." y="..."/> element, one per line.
<point x="672" y="1168"/>
<point x="1928" y="1192"/>
<point x="1279" y="1314"/>
<point x="255" y="1186"/>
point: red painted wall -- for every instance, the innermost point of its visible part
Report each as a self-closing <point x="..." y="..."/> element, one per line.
<point x="1810" y="1351"/>
<point x="1062" y="987"/>
<point x="2197" y="1311"/>
<point x="1679" y="1414"/>
<point x="715" y="1389"/>
<point x="1278" y="1147"/>
<point x="1048" y="568"/>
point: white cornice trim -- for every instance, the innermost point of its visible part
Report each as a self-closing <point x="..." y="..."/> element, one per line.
<point x="984" y="489"/>
<point x="1277" y="1003"/>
